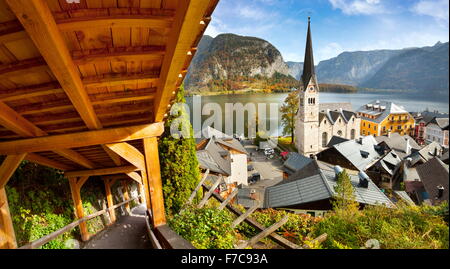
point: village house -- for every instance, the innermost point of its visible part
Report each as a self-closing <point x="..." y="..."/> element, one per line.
<point x="384" y="169"/>
<point x="223" y="155"/>
<point x="315" y="124"/>
<point x="437" y="130"/>
<point x="404" y="145"/>
<point x="312" y="188"/>
<point x="357" y="154"/>
<point x="294" y="162"/>
<point x="380" y="117"/>
<point x="434" y="176"/>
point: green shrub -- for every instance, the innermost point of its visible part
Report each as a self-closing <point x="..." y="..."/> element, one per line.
<point x="205" y="228"/>
<point x="406" y="227"/>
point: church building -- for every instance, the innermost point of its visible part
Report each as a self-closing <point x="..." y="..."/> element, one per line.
<point x="317" y="123"/>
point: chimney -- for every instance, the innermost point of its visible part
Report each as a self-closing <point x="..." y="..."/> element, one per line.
<point x="435" y="151"/>
<point x="363" y="180"/>
<point x="408" y="161"/>
<point x="337" y="170"/>
<point x="408" y="147"/>
<point x="253" y="194"/>
<point x="440" y="193"/>
<point x="360" y="140"/>
<point x="388" y="134"/>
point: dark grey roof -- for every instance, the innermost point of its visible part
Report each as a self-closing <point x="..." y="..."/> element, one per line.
<point x="296" y="162"/>
<point x="352" y="151"/>
<point x="207" y="162"/>
<point x="441" y="122"/>
<point x="427" y="152"/>
<point x="335" y="106"/>
<point x="243" y="197"/>
<point x="336" y="140"/>
<point x="232" y="143"/>
<point x="319" y="186"/>
<point x="433" y="173"/>
<point x="398" y="142"/>
<point x="390" y="162"/>
<point x="333" y="114"/>
<point x="405" y="197"/>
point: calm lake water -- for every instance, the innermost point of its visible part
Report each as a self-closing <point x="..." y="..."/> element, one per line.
<point x="411" y="102"/>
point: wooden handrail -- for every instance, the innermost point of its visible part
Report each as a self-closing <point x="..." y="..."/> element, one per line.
<point x="44" y="240"/>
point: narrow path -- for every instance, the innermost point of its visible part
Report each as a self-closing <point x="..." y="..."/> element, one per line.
<point x="129" y="232"/>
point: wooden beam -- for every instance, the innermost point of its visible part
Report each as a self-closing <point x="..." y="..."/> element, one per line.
<point x="7" y="235"/>
<point x="81" y="181"/>
<point x="40" y="25"/>
<point x="135" y="176"/>
<point x="114" y="21"/>
<point x="18" y="124"/>
<point x="187" y="21"/>
<point x="102" y="171"/>
<point x="81" y="139"/>
<point x="146" y="186"/>
<point x="229" y="198"/>
<point x="199" y="185"/>
<point x="110" y="200"/>
<point x="78" y="204"/>
<point x="125" y="96"/>
<point x="264" y="233"/>
<point x="121" y="54"/>
<point x="154" y="181"/>
<point x="129" y="153"/>
<point x="126" y="196"/>
<point x="209" y="193"/>
<point x="116" y="158"/>
<point x="36" y="158"/>
<point x="23" y="68"/>
<point x="114" y="79"/>
<point x="247" y="213"/>
<point x="8" y="167"/>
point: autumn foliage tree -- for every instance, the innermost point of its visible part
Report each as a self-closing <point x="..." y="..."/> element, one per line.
<point x="344" y="199"/>
<point x="288" y="111"/>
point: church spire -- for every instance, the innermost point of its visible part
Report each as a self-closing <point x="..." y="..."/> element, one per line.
<point x="308" y="65"/>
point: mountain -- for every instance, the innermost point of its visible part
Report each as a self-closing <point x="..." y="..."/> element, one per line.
<point x="230" y="62"/>
<point x="420" y="68"/>
<point x="295" y="69"/>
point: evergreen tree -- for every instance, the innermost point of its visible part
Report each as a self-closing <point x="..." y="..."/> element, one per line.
<point x="179" y="165"/>
<point x="288" y="111"/>
<point x="345" y="197"/>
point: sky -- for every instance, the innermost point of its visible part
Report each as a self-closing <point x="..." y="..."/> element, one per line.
<point x="336" y="25"/>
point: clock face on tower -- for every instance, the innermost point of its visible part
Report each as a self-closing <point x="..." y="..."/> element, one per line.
<point x="311" y="89"/>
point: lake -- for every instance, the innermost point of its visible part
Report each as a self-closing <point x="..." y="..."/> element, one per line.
<point x="411" y="102"/>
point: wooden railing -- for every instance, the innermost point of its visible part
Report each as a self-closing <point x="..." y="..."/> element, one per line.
<point x="44" y="240"/>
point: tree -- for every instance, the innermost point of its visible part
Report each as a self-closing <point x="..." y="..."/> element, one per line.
<point x="345" y="198"/>
<point x="288" y="111"/>
<point x="179" y="165"/>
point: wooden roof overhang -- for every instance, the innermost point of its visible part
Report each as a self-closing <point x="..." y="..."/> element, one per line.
<point x="79" y="79"/>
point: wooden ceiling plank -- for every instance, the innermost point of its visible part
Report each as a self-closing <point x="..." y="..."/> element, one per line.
<point x="121" y="79"/>
<point x="124" y="54"/>
<point x="116" y="21"/>
<point x="23" y="68"/>
<point x="39" y="23"/>
<point x="81" y="139"/>
<point x="30" y="91"/>
<point x="36" y="158"/>
<point x="187" y="21"/>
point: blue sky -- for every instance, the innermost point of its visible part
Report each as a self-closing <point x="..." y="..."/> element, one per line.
<point x="337" y="25"/>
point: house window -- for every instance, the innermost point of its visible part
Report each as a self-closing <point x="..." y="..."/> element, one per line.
<point x="399" y="127"/>
<point x="369" y="125"/>
<point x="324" y="139"/>
<point x="352" y="134"/>
<point x="339" y="120"/>
<point x="375" y="127"/>
<point x="364" y="132"/>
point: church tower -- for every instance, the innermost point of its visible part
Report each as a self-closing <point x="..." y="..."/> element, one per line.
<point x="307" y="122"/>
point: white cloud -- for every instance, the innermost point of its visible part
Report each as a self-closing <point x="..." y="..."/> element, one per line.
<point x="355" y="7"/>
<point x="437" y="9"/>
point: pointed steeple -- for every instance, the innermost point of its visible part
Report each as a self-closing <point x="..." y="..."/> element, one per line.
<point x="308" y="65"/>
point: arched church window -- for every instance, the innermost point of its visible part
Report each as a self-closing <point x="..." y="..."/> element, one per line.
<point x="339" y="133"/>
<point x="352" y="134"/>
<point x="324" y="139"/>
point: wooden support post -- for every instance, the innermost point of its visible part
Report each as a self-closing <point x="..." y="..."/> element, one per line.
<point x="205" y="175"/>
<point x="141" y="192"/>
<point x="229" y="198"/>
<point x="8" y="167"/>
<point x="110" y="200"/>
<point x="247" y="213"/>
<point x="146" y="187"/>
<point x="7" y="235"/>
<point x="126" y="196"/>
<point x="79" y="212"/>
<point x="264" y="233"/>
<point x="154" y="181"/>
<point x="209" y="193"/>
